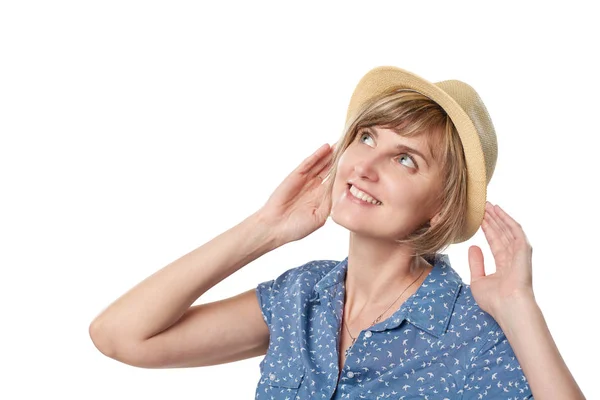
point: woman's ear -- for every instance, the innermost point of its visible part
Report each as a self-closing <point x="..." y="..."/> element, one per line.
<point x="435" y="219"/>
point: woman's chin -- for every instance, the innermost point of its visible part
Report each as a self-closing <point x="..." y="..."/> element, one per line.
<point x="368" y="227"/>
<point x="356" y="224"/>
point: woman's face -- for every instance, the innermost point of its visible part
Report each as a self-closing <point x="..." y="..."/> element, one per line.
<point x="399" y="172"/>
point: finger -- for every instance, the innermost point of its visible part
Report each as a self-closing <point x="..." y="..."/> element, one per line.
<point x="505" y="228"/>
<point x="495" y="221"/>
<point x="512" y="225"/>
<point x="296" y="180"/>
<point x="316" y="177"/>
<point x="322" y="166"/>
<point x="493" y="229"/>
<point x="491" y="235"/>
<point x="325" y="173"/>
<point x="324" y="208"/>
<point x="313" y="159"/>
<point x="476" y="264"/>
<point x="497" y="243"/>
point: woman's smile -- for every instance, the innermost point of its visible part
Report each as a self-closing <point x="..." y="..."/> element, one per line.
<point x="359" y="197"/>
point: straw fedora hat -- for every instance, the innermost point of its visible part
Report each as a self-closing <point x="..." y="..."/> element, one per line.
<point x="469" y="115"/>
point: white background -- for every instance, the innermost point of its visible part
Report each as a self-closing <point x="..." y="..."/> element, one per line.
<point x="134" y="132"/>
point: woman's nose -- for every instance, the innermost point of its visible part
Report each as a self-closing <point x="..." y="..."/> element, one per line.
<point x="367" y="168"/>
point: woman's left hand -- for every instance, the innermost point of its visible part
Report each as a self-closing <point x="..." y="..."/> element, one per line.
<point x="512" y="252"/>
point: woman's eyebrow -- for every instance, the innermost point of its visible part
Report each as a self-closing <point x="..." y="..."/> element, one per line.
<point x="401" y="147"/>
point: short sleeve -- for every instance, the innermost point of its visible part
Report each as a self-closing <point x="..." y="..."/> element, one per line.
<point x="264" y="293"/>
<point x="270" y="292"/>
<point x="495" y="372"/>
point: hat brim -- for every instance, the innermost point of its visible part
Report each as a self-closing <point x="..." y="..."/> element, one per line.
<point x="382" y="79"/>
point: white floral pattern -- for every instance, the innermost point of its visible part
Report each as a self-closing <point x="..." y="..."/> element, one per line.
<point x="438" y="345"/>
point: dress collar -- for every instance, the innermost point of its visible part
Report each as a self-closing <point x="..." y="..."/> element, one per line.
<point x="429" y="308"/>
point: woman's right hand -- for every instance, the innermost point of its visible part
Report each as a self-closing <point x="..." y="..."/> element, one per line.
<point x="301" y="203"/>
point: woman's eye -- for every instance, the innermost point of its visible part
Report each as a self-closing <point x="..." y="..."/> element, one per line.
<point x="364" y="135"/>
<point x="405" y="156"/>
<point x="410" y="159"/>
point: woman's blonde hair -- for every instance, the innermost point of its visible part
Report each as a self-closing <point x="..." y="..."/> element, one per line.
<point x="410" y="114"/>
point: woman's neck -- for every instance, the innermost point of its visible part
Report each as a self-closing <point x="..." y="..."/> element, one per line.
<point x="378" y="272"/>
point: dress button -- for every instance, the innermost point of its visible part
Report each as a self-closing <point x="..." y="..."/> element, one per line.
<point x="272" y="377"/>
<point x="368" y="334"/>
<point x="350" y="374"/>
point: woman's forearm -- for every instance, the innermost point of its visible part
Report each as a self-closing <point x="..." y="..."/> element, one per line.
<point x="527" y="332"/>
<point x="161" y="299"/>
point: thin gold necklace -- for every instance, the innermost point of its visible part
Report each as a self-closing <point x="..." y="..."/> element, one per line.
<point x="380" y="315"/>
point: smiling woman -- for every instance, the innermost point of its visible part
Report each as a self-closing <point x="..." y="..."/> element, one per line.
<point x="409" y="143"/>
<point x="407" y="178"/>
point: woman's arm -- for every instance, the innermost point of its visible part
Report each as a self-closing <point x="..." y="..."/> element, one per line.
<point x="527" y="332"/>
<point x="153" y="325"/>
<point x="135" y="328"/>
<point x="507" y="295"/>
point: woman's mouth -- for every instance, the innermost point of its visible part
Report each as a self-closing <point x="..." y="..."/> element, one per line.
<point x="362" y="197"/>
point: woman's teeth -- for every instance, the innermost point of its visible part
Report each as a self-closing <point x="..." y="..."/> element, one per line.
<point x="363" y="196"/>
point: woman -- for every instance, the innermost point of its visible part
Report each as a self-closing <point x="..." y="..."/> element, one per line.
<point x="393" y="319"/>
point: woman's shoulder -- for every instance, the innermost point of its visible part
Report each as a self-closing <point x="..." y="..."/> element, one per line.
<point x="468" y="315"/>
<point x="467" y="306"/>
<point x="317" y="268"/>
<point x="305" y="275"/>
<point x="292" y="288"/>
